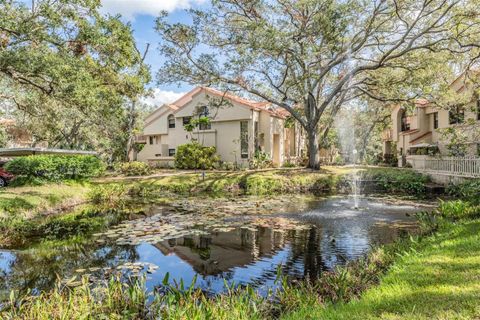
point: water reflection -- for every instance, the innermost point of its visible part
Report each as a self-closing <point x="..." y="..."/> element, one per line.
<point x="337" y="234"/>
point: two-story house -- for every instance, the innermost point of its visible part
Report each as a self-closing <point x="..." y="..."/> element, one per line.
<point x="422" y="130"/>
<point x="238" y="128"/>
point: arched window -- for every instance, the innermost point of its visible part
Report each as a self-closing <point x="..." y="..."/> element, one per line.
<point x="203" y="111"/>
<point x="171" y="121"/>
<point x="404" y="121"/>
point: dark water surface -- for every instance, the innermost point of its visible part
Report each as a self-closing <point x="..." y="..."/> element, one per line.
<point x="330" y="233"/>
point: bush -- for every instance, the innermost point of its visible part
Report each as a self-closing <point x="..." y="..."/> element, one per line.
<point x="134" y="168"/>
<point x="195" y="156"/>
<point x="398" y="180"/>
<point x="457" y="210"/>
<point x="469" y="191"/>
<point x="55" y="167"/>
<point x="260" y="160"/>
<point x="289" y="164"/>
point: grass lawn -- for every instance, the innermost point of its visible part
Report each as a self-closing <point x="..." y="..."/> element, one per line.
<point x="262" y="182"/>
<point x="439" y="281"/>
<point x="30" y="201"/>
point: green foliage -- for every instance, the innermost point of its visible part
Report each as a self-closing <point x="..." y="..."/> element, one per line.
<point x="71" y="69"/>
<point x="55" y="167"/>
<point x="134" y="168"/>
<point x="110" y="195"/>
<point x="289" y="164"/>
<point x="469" y="190"/>
<point x="195" y="156"/>
<point x="260" y="160"/>
<point x="457" y="210"/>
<point x="402" y="181"/>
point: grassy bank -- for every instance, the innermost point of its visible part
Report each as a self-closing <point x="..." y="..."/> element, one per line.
<point x="246" y="182"/>
<point x="32" y="201"/>
<point x="329" y="179"/>
<point x="440" y="281"/>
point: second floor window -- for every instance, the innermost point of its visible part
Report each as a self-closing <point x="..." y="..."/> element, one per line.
<point x="435" y="120"/>
<point x="186" y="120"/>
<point x="404" y="122"/>
<point x="171" y="121"/>
<point x="204" y="113"/>
<point x="456" y="115"/>
<point x="478" y="109"/>
<point x="244" y="139"/>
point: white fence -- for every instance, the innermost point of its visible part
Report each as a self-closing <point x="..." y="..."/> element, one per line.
<point x="468" y="167"/>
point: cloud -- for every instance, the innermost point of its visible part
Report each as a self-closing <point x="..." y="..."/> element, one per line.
<point x="161" y="97"/>
<point x="131" y="8"/>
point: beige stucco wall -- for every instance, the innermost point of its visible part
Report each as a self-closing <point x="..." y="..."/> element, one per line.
<point x="224" y="133"/>
<point x="424" y="122"/>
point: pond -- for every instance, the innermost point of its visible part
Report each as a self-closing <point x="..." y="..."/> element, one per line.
<point x="242" y="243"/>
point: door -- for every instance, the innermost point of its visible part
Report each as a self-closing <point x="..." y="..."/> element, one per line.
<point x="276" y="149"/>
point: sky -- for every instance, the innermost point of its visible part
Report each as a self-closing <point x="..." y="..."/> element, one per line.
<point x="141" y="14"/>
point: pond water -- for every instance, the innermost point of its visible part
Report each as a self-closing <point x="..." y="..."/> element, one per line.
<point x="303" y="237"/>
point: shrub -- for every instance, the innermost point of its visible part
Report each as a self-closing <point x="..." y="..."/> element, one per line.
<point x="289" y="164"/>
<point x="195" y="156"/>
<point x="260" y="160"/>
<point x="398" y="180"/>
<point x="457" y="210"/>
<point x="134" y="168"/>
<point x="55" y="167"/>
<point x="469" y="190"/>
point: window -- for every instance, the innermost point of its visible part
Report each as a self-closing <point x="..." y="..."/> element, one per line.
<point x="203" y="112"/>
<point x="478" y="109"/>
<point x="171" y="121"/>
<point x="150" y="140"/>
<point x="205" y="126"/>
<point x="171" y="152"/>
<point x="186" y="120"/>
<point x="255" y="135"/>
<point x="404" y="121"/>
<point x="456" y="115"/>
<point x="435" y="120"/>
<point x="244" y="139"/>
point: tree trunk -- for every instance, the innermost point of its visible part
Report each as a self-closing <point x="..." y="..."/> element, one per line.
<point x="131" y="156"/>
<point x="313" y="145"/>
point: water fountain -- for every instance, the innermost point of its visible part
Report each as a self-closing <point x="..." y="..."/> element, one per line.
<point x="355" y="181"/>
<point x="346" y="134"/>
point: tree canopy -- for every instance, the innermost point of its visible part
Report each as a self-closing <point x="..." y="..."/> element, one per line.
<point x="310" y="57"/>
<point x="68" y="71"/>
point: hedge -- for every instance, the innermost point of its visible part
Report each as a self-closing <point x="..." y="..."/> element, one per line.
<point x="55" y="167"/>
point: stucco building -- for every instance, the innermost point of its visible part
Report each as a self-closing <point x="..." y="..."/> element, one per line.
<point x="422" y="130"/>
<point x="238" y="128"/>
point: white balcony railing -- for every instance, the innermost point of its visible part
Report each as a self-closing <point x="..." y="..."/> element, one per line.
<point x="455" y="166"/>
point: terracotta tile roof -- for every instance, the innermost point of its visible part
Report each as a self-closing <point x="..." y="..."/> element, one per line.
<point x="257" y="106"/>
<point x="421" y="137"/>
<point x="422" y="103"/>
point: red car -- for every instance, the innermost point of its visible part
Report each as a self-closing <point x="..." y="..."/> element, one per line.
<point x="5" y="177"/>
